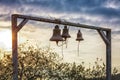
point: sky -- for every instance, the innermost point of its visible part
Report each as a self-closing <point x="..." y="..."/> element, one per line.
<point x="104" y="13"/>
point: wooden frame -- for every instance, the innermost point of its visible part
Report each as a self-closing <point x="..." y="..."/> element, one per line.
<point x="105" y="34"/>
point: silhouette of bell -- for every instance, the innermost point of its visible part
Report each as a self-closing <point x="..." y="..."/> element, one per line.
<point x="79" y="36"/>
<point x="65" y="33"/>
<point x="56" y="35"/>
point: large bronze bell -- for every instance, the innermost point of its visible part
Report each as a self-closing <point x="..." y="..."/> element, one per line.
<point x="79" y="36"/>
<point x="65" y="33"/>
<point x="56" y="35"/>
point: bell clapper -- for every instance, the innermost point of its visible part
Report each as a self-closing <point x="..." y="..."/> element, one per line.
<point x="57" y="43"/>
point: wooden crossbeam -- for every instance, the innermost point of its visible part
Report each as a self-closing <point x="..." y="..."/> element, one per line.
<point x="58" y="21"/>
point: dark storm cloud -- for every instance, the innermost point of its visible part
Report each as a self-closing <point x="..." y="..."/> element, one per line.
<point x="105" y="12"/>
<point x="92" y="7"/>
<point x="9" y="2"/>
<point x="65" y="5"/>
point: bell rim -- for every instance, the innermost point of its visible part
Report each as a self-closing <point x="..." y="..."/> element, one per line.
<point x="79" y="39"/>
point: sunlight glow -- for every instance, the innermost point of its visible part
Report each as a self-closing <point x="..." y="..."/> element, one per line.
<point x="5" y="39"/>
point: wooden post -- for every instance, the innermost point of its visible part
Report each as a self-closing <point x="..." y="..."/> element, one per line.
<point x="107" y="39"/>
<point x="14" y="48"/>
<point x="108" y="56"/>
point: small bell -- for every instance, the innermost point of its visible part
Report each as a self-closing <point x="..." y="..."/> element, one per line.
<point x="56" y="35"/>
<point x="79" y="36"/>
<point x="65" y="33"/>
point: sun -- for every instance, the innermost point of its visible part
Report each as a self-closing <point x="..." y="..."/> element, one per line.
<point x="5" y="39"/>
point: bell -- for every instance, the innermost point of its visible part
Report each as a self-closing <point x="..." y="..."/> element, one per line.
<point x="65" y="33"/>
<point x="79" y="36"/>
<point x="56" y="35"/>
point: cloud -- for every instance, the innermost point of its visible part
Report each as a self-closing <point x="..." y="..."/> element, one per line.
<point x="116" y="32"/>
<point x="95" y="12"/>
<point x="10" y="2"/>
<point x="94" y="7"/>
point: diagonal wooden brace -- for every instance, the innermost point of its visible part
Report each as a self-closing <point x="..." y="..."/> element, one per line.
<point x="103" y="36"/>
<point x="21" y="24"/>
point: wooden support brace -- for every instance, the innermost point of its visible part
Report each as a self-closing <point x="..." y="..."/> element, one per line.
<point x="103" y="36"/>
<point x="22" y="24"/>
